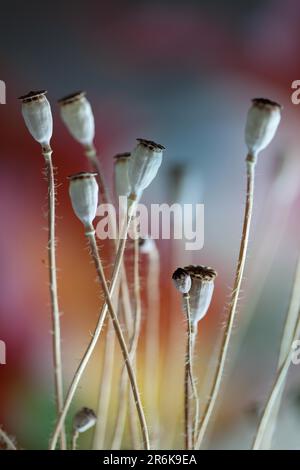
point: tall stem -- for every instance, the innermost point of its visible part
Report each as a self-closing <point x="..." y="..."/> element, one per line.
<point x="108" y="360"/>
<point x="74" y="440"/>
<point x="123" y="386"/>
<point x="120" y="337"/>
<point x="86" y="357"/>
<point x="56" y="340"/>
<point x="152" y="344"/>
<point x="189" y="381"/>
<point x="121" y="414"/>
<point x="251" y="161"/>
<point x="91" y="154"/>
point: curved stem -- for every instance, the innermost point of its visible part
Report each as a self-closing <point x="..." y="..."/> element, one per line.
<point x="56" y="340"/>
<point x="251" y="161"/>
<point x="86" y="357"/>
<point x="120" y="337"/>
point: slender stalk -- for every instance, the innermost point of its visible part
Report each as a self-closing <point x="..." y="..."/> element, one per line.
<point x="56" y="340"/>
<point x="276" y="392"/>
<point x="137" y="330"/>
<point x="86" y="357"/>
<point x="189" y="382"/>
<point x="121" y="414"/>
<point x="251" y="161"/>
<point x="266" y="431"/>
<point x="74" y="439"/>
<point x="123" y="386"/>
<point x="120" y="337"/>
<point x="106" y="379"/>
<point x="152" y="343"/>
<point x="7" y="440"/>
<point x="105" y="387"/>
<point x="108" y="360"/>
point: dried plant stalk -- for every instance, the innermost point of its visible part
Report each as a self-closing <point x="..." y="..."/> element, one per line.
<point x="191" y="425"/>
<point x="56" y="340"/>
<point x="86" y="357"/>
<point x="123" y="391"/>
<point x="251" y="161"/>
<point x="152" y="343"/>
<point x="106" y="381"/>
<point x="263" y="439"/>
<point x="120" y="337"/>
<point x="123" y="387"/>
<point x="4" y="437"/>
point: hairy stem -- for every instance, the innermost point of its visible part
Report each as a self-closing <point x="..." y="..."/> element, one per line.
<point x="56" y="340"/>
<point x="251" y="161"/>
<point x="189" y="381"/>
<point x="86" y="357"/>
<point x="121" y="414"/>
<point x="120" y="337"/>
<point x="152" y="343"/>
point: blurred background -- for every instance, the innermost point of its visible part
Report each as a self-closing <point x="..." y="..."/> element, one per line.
<point x="181" y="73"/>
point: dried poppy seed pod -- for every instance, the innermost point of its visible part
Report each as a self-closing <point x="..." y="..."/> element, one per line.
<point x="122" y="185"/>
<point x="83" y="192"/>
<point x="84" y="420"/>
<point x="201" y="290"/>
<point x="76" y="113"/>
<point x="37" y="115"/>
<point x="262" y="121"/>
<point x="182" y="280"/>
<point x="144" y="163"/>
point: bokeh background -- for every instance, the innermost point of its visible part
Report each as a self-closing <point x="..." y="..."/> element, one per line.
<point x="181" y="73"/>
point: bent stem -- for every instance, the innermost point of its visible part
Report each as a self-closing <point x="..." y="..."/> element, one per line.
<point x="86" y="357"/>
<point x="7" y="440"/>
<point x="251" y="161"/>
<point x="135" y="391"/>
<point x="189" y="381"/>
<point x="56" y="340"/>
